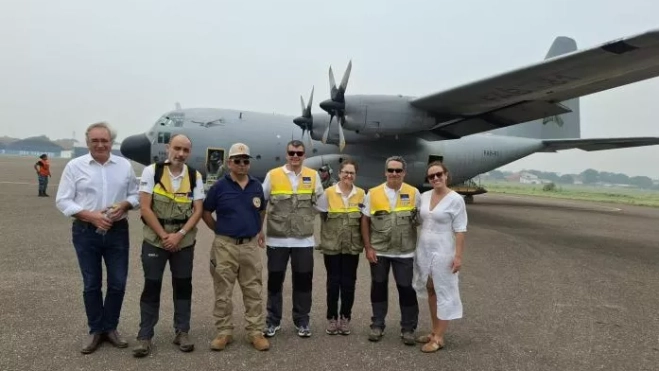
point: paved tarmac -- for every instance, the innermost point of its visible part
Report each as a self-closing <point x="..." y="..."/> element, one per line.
<point x="546" y="285"/>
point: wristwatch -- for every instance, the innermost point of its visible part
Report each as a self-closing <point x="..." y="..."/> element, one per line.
<point x="182" y="231"/>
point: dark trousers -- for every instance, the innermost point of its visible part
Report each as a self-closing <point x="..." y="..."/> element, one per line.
<point x="154" y="260"/>
<point x="341" y="278"/>
<point x="43" y="184"/>
<point x="91" y="249"/>
<point x="302" y="269"/>
<point x="409" y="306"/>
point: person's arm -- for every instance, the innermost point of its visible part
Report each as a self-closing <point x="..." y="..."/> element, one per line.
<point x="209" y="206"/>
<point x="64" y="201"/>
<point x="197" y="205"/>
<point x="322" y="204"/>
<point x="365" y="227"/>
<point x="146" y="196"/>
<point x="37" y="165"/>
<point x="132" y="200"/>
<point x="459" y="226"/>
<point x="266" y="187"/>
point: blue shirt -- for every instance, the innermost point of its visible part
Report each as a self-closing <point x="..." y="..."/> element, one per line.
<point x="237" y="210"/>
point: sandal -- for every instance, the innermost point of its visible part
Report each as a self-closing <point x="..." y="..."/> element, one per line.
<point x="432" y="346"/>
<point x="425" y="338"/>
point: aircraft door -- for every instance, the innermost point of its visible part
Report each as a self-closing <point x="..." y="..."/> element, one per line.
<point x="215" y="162"/>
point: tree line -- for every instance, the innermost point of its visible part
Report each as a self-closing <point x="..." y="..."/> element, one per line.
<point x="588" y="176"/>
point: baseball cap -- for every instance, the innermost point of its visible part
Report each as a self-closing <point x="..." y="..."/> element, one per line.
<point x="239" y="149"/>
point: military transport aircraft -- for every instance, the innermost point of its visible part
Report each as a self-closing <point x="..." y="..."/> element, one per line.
<point x="473" y="128"/>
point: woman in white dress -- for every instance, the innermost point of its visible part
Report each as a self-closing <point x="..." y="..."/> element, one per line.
<point x="438" y="256"/>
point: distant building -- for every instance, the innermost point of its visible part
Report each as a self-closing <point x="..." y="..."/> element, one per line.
<point x="35" y="146"/>
<point x="526" y="178"/>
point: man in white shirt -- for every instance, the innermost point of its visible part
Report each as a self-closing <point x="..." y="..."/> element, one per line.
<point x="291" y="191"/>
<point x="97" y="190"/>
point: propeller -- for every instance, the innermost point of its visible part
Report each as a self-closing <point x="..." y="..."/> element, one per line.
<point x="305" y="122"/>
<point x="336" y="105"/>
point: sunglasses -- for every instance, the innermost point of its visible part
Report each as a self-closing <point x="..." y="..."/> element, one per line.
<point x="237" y="161"/>
<point x="437" y="175"/>
<point x="298" y="153"/>
<point x="397" y="171"/>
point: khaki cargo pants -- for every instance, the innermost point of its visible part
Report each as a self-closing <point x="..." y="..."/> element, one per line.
<point x="229" y="260"/>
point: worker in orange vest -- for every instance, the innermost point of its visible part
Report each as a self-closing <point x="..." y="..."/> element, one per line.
<point x="43" y="173"/>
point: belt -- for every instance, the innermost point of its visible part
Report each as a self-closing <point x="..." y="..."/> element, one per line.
<point x="118" y="223"/>
<point x="172" y="221"/>
<point x="237" y="240"/>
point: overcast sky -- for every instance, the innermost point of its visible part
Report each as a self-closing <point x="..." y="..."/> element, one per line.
<point x="68" y="63"/>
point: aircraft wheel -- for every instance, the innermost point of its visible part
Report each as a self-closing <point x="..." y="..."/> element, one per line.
<point x="469" y="199"/>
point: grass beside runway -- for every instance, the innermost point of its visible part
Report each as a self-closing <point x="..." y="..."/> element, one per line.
<point x="616" y="195"/>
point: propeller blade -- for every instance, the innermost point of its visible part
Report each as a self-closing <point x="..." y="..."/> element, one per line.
<point x="346" y="76"/>
<point x="332" y="84"/>
<point x="310" y="100"/>
<point x="309" y="139"/>
<point x="302" y="104"/>
<point x="342" y="140"/>
<point x="326" y="133"/>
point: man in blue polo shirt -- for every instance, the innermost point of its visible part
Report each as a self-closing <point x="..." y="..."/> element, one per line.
<point x="239" y="206"/>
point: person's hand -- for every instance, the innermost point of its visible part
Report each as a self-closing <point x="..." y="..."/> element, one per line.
<point x="175" y="241"/>
<point x="371" y="256"/>
<point x="99" y="220"/>
<point x="115" y="212"/>
<point x="260" y="239"/>
<point x="456" y="264"/>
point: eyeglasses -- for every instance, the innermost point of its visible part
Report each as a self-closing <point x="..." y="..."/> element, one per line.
<point x="436" y="175"/>
<point x="348" y="172"/>
<point x="298" y="153"/>
<point x="397" y="171"/>
<point x="237" y="161"/>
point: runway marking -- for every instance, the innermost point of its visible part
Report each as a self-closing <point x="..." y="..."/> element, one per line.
<point x="561" y="202"/>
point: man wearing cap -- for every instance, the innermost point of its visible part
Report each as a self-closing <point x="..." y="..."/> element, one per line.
<point x="291" y="191"/>
<point x="238" y="203"/>
<point x="43" y="173"/>
<point x="325" y="173"/>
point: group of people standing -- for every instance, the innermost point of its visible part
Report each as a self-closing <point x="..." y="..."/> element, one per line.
<point x="98" y="190"/>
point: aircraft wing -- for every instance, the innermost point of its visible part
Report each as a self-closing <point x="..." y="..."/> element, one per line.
<point x="535" y="91"/>
<point x="597" y="144"/>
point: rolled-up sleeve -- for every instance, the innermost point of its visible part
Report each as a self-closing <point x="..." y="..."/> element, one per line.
<point x="66" y="193"/>
<point x="133" y="196"/>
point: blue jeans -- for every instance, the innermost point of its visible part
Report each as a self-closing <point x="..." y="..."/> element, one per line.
<point x="92" y="248"/>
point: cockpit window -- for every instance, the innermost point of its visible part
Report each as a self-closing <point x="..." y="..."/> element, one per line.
<point x="163" y="137"/>
<point x="173" y="119"/>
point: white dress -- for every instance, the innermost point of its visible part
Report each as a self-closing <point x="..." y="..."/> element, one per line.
<point x="436" y="249"/>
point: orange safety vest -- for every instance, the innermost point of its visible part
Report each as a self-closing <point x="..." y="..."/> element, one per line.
<point x="44" y="167"/>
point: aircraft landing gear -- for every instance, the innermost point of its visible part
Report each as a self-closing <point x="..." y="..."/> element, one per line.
<point x="469" y="199"/>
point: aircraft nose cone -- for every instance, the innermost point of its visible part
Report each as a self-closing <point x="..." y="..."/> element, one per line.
<point x="137" y="148"/>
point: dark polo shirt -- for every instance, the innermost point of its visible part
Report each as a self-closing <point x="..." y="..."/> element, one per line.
<point x="236" y="209"/>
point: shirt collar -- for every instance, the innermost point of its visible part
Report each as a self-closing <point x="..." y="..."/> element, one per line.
<point x="90" y="159"/>
<point x="352" y="191"/>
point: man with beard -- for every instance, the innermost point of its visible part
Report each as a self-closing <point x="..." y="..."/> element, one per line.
<point x="171" y="197"/>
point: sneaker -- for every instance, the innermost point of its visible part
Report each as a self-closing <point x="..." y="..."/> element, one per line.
<point x="408" y="338"/>
<point x="303" y="331"/>
<point x="271" y="330"/>
<point x="183" y="341"/>
<point x="332" y="327"/>
<point x="344" y="326"/>
<point x="376" y="334"/>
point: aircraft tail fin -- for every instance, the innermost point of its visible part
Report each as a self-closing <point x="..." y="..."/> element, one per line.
<point x="563" y="126"/>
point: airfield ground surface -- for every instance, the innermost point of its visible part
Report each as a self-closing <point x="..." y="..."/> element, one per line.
<point x="546" y="285"/>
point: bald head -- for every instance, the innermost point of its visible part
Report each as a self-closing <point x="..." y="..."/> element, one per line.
<point x="178" y="149"/>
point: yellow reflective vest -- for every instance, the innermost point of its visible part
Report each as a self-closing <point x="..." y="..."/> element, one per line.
<point x="291" y="214"/>
<point x="340" y="231"/>
<point x="393" y="231"/>
<point x="173" y="209"/>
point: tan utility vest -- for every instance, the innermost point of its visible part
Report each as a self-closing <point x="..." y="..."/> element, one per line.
<point x="393" y="231"/>
<point x="291" y="214"/>
<point x="173" y="209"/>
<point x="340" y="231"/>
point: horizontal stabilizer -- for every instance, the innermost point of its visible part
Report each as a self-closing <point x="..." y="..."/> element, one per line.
<point x="597" y="144"/>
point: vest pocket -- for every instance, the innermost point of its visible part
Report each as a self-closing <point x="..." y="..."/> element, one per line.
<point x="404" y="218"/>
